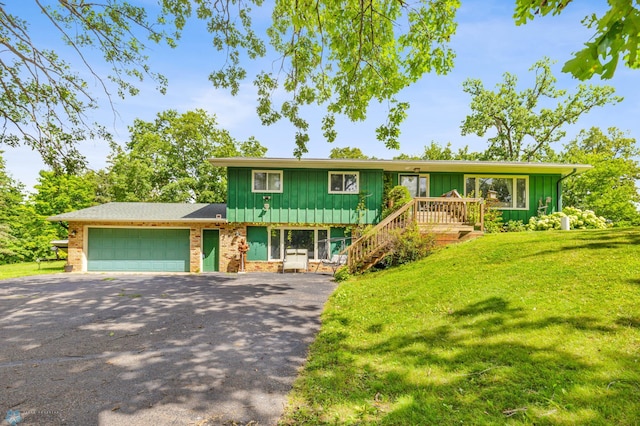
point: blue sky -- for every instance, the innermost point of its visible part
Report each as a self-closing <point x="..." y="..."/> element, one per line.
<point x="487" y="44"/>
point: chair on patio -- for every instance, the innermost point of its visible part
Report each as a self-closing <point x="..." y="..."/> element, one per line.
<point x="336" y="261"/>
<point x="295" y="259"/>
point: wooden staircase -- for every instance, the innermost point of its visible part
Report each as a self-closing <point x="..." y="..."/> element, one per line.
<point x="449" y="219"/>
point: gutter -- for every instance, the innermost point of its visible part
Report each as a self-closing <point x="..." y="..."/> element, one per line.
<point x="559" y="189"/>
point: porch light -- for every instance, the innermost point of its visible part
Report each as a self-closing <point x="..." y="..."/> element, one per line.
<point x="266" y="199"/>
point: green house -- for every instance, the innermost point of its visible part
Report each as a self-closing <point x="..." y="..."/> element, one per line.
<point x="315" y="203"/>
<point x="306" y="211"/>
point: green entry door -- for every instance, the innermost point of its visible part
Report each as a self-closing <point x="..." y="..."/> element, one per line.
<point x="210" y="250"/>
<point x="138" y="250"/>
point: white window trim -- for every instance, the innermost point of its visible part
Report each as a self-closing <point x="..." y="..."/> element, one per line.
<point x="419" y="176"/>
<point x="346" y="172"/>
<point x="282" y="229"/>
<point x="514" y="177"/>
<point x="253" y="178"/>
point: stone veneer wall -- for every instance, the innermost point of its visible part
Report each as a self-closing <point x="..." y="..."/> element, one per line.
<point x="263" y="266"/>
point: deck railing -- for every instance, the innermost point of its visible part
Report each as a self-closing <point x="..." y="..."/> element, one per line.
<point x="449" y="211"/>
<point x="424" y="211"/>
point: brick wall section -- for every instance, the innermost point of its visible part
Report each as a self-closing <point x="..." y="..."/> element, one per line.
<point x="74" y="250"/>
<point x="230" y="237"/>
<point x="277" y="267"/>
<point x="263" y="266"/>
<point x="195" y="248"/>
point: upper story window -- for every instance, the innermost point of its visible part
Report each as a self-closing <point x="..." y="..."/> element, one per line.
<point x="418" y="185"/>
<point x="507" y="192"/>
<point x="266" y="180"/>
<point x="343" y="182"/>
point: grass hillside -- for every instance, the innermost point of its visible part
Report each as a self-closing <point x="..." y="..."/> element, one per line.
<point x="523" y="328"/>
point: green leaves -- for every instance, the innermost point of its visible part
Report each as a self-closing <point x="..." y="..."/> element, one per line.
<point x="167" y="159"/>
<point x="525" y="126"/>
<point x="43" y="98"/>
<point x="617" y="36"/>
<point x="343" y="55"/>
<point x="609" y="188"/>
<point x="339" y="55"/>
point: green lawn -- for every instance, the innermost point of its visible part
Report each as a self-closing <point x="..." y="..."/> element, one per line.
<point x="31" y="268"/>
<point x="522" y="328"/>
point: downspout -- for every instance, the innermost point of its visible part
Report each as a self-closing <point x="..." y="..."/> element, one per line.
<point x="559" y="189"/>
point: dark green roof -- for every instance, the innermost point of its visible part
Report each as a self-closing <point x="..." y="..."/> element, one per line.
<point x="147" y="212"/>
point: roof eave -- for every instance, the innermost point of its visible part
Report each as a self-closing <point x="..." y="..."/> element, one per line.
<point x="61" y="218"/>
<point x="422" y="166"/>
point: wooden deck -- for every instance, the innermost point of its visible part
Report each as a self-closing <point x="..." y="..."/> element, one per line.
<point x="445" y="211"/>
<point x="449" y="219"/>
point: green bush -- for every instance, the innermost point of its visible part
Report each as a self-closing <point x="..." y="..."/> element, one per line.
<point x="578" y="219"/>
<point x="492" y="220"/>
<point x="342" y="274"/>
<point x="515" y="226"/>
<point x="409" y="246"/>
<point x="396" y="198"/>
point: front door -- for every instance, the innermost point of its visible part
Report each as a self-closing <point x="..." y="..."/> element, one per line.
<point x="210" y="250"/>
<point x="416" y="184"/>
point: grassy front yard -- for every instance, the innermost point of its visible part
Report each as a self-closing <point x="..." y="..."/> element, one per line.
<point x="526" y="328"/>
<point x="31" y="268"/>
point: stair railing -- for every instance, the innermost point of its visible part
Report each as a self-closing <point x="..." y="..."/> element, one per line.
<point x="377" y="238"/>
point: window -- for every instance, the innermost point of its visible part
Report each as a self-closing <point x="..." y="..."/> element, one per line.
<point x="314" y="240"/>
<point x="416" y="184"/>
<point x="510" y="192"/>
<point x="343" y="182"/>
<point x="266" y="180"/>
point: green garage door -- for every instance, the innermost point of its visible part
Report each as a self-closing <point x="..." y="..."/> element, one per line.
<point x="138" y="250"/>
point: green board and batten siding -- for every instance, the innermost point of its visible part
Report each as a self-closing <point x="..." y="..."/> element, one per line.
<point x="138" y="250"/>
<point x="540" y="187"/>
<point x="441" y="183"/>
<point x="305" y="199"/>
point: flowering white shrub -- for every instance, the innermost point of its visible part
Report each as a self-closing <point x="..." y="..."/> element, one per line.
<point x="578" y="219"/>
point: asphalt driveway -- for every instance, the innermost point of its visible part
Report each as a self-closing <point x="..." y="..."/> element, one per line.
<point x="155" y="349"/>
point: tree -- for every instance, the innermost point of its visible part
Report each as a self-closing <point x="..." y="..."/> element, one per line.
<point x="58" y="193"/>
<point x="347" y="152"/>
<point x="372" y="52"/>
<point x="11" y="197"/>
<point x="55" y="193"/>
<point x="435" y="151"/>
<point x="615" y="38"/>
<point x="609" y="189"/>
<point x="167" y="159"/>
<point x="43" y="101"/>
<point x="524" y="127"/>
